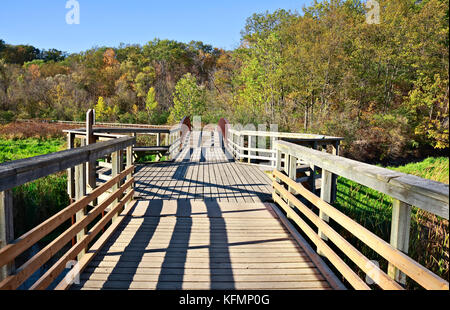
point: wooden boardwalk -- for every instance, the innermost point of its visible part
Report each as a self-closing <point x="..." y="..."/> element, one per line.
<point x="205" y="221"/>
<point x="201" y="222"/>
<point x="198" y="245"/>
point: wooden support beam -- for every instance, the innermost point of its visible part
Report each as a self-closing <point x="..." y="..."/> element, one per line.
<point x="251" y="145"/>
<point x="71" y="171"/>
<point x="335" y="151"/>
<point x="6" y="228"/>
<point x="91" y="165"/>
<point x="400" y="229"/>
<point x="158" y="139"/>
<point x="325" y="194"/>
<point x="130" y="162"/>
<point x="116" y="165"/>
<point x="80" y="192"/>
<point x="313" y="170"/>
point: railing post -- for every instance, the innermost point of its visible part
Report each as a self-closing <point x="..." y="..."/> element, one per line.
<point x="400" y="228"/>
<point x="241" y="145"/>
<point x="335" y="151"/>
<point x="273" y="129"/>
<point x="91" y="166"/>
<point x="80" y="192"/>
<point x="130" y="163"/>
<point x="313" y="170"/>
<point x="158" y="139"/>
<point x="325" y="194"/>
<point x="71" y="171"/>
<point x="116" y="165"/>
<point x="279" y="162"/>
<point x="251" y="145"/>
<point x="6" y="228"/>
<point x="292" y="170"/>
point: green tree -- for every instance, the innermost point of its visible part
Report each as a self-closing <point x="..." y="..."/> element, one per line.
<point x="151" y="105"/>
<point x="189" y="99"/>
<point x="101" y="110"/>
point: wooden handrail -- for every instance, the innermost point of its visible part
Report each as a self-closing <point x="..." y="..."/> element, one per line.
<point x="59" y="266"/>
<point x="27" y="269"/>
<point x="384" y="281"/>
<point x="395" y="257"/>
<point x="425" y="194"/>
<point x="21" y="171"/>
<point x="24" y="242"/>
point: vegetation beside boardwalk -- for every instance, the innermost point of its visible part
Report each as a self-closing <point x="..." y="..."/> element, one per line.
<point x="29" y="199"/>
<point x="429" y="241"/>
<point x="429" y="238"/>
<point x="383" y="86"/>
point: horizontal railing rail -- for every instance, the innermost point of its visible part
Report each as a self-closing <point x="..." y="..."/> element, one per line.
<point x="428" y="195"/>
<point x="252" y="145"/>
<point x="406" y="190"/>
<point x="21" y="171"/>
<point x="117" y="194"/>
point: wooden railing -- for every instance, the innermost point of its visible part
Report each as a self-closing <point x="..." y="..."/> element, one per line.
<point x="258" y="146"/>
<point x="169" y="140"/>
<point x="406" y="190"/>
<point x="117" y="192"/>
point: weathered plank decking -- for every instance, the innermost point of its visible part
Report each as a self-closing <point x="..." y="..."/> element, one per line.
<point x="201" y="245"/>
<point x="200" y="222"/>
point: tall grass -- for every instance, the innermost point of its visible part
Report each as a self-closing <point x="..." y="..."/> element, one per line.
<point x="14" y="149"/>
<point x="35" y="201"/>
<point x="429" y="237"/>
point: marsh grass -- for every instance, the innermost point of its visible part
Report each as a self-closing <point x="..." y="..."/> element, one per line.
<point x="35" y="201"/>
<point x="429" y="238"/>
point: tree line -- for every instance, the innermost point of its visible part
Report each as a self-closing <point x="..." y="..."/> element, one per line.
<point x="384" y="87"/>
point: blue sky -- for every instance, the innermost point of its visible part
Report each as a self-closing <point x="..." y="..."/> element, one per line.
<point x="110" y="22"/>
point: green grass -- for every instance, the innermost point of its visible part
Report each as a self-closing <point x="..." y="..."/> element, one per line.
<point x="433" y="168"/>
<point x="149" y="158"/>
<point x="23" y="148"/>
<point x="38" y="200"/>
<point x="429" y="238"/>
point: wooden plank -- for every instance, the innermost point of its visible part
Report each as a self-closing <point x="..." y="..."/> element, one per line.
<point x="318" y="262"/>
<point x="70" y="276"/>
<point x="50" y="275"/>
<point x="221" y="192"/>
<point x="27" y="269"/>
<point x="91" y="284"/>
<point x="19" y="172"/>
<point x="205" y="278"/>
<point x="340" y="265"/>
<point x="25" y="241"/>
<point x="6" y="228"/>
<point x="400" y="260"/>
<point x="400" y="228"/>
<point x="425" y="194"/>
<point x="201" y="272"/>
<point x="357" y="257"/>
<point x="238" y="184"/>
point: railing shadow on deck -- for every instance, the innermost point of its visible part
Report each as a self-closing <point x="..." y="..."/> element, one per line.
<point x="176" y="253"/>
